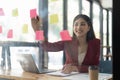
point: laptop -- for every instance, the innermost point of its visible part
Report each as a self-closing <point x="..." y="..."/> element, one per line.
<point x="28" y="64"/>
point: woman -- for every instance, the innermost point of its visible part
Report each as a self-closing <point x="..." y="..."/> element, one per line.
<point x="82" y="51"/>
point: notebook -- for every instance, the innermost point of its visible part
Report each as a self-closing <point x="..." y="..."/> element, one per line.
<point x="60" y="74"/>
<point x="28" y="64"/>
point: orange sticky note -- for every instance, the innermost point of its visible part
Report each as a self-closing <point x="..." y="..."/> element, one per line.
<point x="0" y="29"/>
<point x="1" y="12"/>
<point x="33" y="13"/>
<point x="65" y="35"/>
<point x="10" y="33"/>
<point x="39" y="35"/>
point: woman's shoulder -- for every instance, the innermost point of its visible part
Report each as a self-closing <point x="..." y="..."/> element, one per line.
<point x="94" y="41"/>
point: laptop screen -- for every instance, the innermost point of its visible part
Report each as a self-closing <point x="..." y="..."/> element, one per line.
<point x="14" y="51"/>
<point x="27" y="62"/>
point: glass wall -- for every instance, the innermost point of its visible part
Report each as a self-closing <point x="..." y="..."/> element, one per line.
<point x="107" y="33"/>
<point x="96" y="19"/>
<point x="1" y="59"/>
<point x="23" y="50"/>
<point x="110" y="31"/>
<point x="86" y="7"/>
<point x="55" y="25"/>
<point x="73" y="10"/>
<point x="104" y="27"/>
<point x="15" y="25"/>
<point x="15" y="21"/>
<point x="104" y="32"/>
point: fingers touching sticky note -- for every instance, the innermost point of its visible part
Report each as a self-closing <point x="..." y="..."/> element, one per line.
<point x="65" y="35"/>
<point x="33" y="13"/>
<point x="39" y="35"/>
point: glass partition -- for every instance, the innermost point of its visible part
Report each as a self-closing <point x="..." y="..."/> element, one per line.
<point x="15" y="22"/>
<point x="96" y="19"/>
<point x="55" y="15"/>
<point x="1" y="59"/>
<point x="73" y="10"/>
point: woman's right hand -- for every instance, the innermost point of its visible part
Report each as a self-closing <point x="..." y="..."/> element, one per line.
<point x="68" y="68"/>
<point x="36" y="23"/>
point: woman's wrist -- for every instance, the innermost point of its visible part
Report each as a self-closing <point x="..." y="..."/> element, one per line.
<point x="74" y="68"/>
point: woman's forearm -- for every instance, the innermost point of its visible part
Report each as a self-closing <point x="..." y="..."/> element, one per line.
<point x="83" y="68"/>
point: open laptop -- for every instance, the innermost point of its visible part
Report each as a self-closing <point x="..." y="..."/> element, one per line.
<point x="28" y="64"/>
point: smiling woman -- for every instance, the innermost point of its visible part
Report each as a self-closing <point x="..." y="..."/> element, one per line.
<point x="83" y="42"/>
<point x="58" y="15"/>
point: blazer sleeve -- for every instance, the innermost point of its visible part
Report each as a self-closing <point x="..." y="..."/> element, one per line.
<point x="83" y="68"/>
<point x="97" y="45"/>
<point x="53" y="47"/>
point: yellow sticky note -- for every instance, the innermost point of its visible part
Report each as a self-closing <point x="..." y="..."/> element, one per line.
<point x="15" y="12"/>
<point x="53" y="18"/>
<point x="25" y="28"/>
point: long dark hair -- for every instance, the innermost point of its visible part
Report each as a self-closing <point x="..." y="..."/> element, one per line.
<point x="90" y="34"/>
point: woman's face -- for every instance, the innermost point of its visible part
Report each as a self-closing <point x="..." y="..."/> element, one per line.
<point x="80" y="28"/>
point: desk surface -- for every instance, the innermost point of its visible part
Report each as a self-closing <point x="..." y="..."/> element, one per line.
<point x="18" y="75"/>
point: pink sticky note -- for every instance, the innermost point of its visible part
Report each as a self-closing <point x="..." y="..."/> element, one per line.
<point x="33" y="13"/>
<point x="1" y="12"/>
<point x="65" y="35"/>
<point x="39" y="35"/>
<point x="10" y="33"/>
<point x="0" y="29"/>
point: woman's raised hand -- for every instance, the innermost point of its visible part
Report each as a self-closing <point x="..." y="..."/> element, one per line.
<point x="36" y="23"/>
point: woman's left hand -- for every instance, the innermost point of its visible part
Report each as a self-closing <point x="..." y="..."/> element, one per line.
<point x="68" y="68"/>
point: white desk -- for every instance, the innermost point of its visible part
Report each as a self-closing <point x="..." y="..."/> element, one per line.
<point x="85" y="76"/>
<point x="18" y="75"/>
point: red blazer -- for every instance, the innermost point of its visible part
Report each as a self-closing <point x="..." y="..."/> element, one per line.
<point x="71" y="52"/>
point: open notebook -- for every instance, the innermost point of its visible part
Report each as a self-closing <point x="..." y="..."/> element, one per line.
<point x="59" y="73"/>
